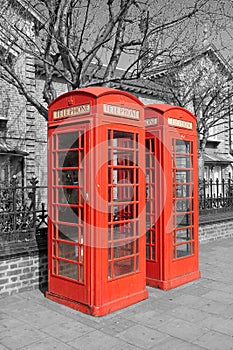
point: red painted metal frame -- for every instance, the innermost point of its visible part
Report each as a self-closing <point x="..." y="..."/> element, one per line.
<point x="172" y="209"/>
<point x="110" y="274"/>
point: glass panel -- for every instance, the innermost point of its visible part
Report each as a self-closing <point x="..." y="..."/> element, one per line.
<point x="67" y="177"/>
<point x="68" y="214"/>
<point x="121" y="157"/>
<point x="182" y="162"/>
<point x="81" y="277"/>
<point x="183" y="220"/>
<point x="183" y="205"/>
<point x="183" y="191"/>
<point x="148" y="252"/>
<point x="183" y="250"/>
<point x="183" y="146"/>
<point x="122" y="212"/>
<point x="54" y="266"/>
<point x="68" y="233"/>
<point x="123" y="139"/>
<point x="68" y="159"/>
<point x="123" y="267"/>
<point x="182" y="175"/>
<point x="67" y="269"/>
<point x="122" y="231"/>
<point x="67" y="251"/>
<point x="67" y="195"/>
<point x="68" y="140"/>
<point x="183" y="235"/>
<point x="124" y="250"/>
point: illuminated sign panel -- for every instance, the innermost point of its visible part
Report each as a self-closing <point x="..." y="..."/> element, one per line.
<point x="72" y="111"/>
<point x="121" y="111"/>
<point x="180" y="123"/>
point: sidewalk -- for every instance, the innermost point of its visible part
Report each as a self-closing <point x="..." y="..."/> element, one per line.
<point x="198" y="315"/>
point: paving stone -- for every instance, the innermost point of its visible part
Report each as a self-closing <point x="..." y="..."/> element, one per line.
<point x="226" y="298"/>
<point x="68" y="330"/>
<point x="187" y="313"/>
<point x="96" y="341"/>
<point x="115" y="325"/>
<point x="183" y="330"/>
<point x="215" y="341"/>
<point x="152" y="319"/>
<point x="48" y="344"/>
<point x="141" y="336"/>
<point x="19" y="337"/>
<point x="171" y="343"/>
<point x="218" y="324"/>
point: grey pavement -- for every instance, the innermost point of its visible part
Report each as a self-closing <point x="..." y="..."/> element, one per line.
<point x="198" y="315"/>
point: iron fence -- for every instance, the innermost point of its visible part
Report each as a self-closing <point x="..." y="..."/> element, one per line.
<point x="22" y="211"/>
<point x="23" y="214"/>
<point x="216" y="194"/>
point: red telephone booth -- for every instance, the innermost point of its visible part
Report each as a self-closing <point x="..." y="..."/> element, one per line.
<point x="96" y="200"/>
<point x="172" y="196"/>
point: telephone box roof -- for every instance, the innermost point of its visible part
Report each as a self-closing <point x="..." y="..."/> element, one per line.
<point x="166" y="107"/>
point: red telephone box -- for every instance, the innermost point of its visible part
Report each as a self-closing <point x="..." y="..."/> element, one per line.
<point x="96" y="200"/>
<point x="172" y="196"/>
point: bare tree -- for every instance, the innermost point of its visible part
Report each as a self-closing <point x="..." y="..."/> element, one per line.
<point x="204" y="85"/>
<point x="83" y="42"/>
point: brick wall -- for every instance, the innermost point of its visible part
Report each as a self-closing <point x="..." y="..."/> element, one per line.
<point x="215" y="230"/>
<point x="23" y="267"/>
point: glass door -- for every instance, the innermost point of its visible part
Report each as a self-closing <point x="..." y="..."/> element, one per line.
<point x="123" y="203"/>
<point x="68" y="250"/>
<point x="183" y="198"/>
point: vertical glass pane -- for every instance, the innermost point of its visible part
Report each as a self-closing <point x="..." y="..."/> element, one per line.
<point x="68" y="233"/>
<point x="123" y="267"/>
<point x="68" y="140"/>
<point x="68" y="269"/>
<point x="67" y="251"/>
<point x="68" y="214"/>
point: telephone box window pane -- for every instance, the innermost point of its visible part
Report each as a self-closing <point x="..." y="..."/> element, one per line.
<point x="81" y="277"/>
<point x="183" y="146"/>
<point x="183" y="220"/>
<point x="68" y="159"/>
<point x="184" y="250"/>
<point x="182" y="191"/>
<point x="67" y="196"/>
<point x="68" y="140"/>
<point x="123" y="250"/>
<point x="67" y="251"/>
<point x="183" y="235"/>
<point x="68" y="214"/>
<point x="54" y="266"/>
<point x="183" y="205"/>
<point x="124" y="230"/>
<point x="68" y="233"/>
<point x="182" y="175"/>
<point x="67" y="269"/>
<point x="67" y="177"/>
<point x="123" y="139"/>
<point x="123" y="267"/>
<point x="182" y="162"/>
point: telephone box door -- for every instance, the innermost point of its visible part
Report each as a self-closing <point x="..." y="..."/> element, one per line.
<point x="184" y="203"/>
<point x="68" y="176"/>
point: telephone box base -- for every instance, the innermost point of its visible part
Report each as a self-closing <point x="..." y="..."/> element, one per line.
<point x="173" y="283"/>
<point x="99" y="310"/>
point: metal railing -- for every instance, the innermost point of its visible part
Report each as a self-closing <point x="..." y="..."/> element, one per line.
<point x="23" y="214"/>
<point x="216" y="194"/>
<point x="22" y="211"/>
